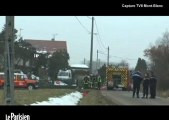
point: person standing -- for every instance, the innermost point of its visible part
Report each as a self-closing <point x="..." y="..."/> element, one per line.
<point x="86" y="81"/>
<point x="137" y="78"/>
<point x="80" y="82"/>
<point x="99" y="81"/>
<point x="153" y="83"/>
<point x="145" y="85"/>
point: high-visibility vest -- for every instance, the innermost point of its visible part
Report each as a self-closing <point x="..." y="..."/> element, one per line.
<point x="99" y="79"/>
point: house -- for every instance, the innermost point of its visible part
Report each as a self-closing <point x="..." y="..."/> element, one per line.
<point x="43" y="46"/>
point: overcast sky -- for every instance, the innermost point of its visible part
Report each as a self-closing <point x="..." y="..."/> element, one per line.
<point x="127" y="36"/>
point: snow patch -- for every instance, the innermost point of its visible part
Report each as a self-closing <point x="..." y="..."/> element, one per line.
<point x="69" y="99"/>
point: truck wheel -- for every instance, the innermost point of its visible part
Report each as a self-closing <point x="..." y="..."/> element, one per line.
<point x="30" y="87"/>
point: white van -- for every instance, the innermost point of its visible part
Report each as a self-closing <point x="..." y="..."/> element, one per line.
<point x="64" y="77"/>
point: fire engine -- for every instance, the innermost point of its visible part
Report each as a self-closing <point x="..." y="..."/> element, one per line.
<point x="21" y="81"/>
<point x="118" y="77"/>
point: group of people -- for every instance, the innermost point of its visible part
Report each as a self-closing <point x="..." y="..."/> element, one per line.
<point x="92" y="82"/>
<point x="149" y="83"/>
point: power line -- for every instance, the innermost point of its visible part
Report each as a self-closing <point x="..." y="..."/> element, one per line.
<point x="123" y="58"/>
<point x="117" y="57"/>
<point x="82" y="25"/>
<point x="99" y="35"/>
<point x="130" y="59"/>
<point x="89" y="17"/>
<point x="99" y="43"/>
<point x="102" y="52"/>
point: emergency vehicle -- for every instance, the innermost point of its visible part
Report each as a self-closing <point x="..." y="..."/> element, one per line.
<point x="118" y="77"/>
<point x="21" y="81"/>
<point x="69" y="76"/>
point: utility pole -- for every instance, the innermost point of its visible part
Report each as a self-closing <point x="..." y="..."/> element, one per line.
<point x="84" y="61"/>
<point x="99" y="63"/>
<point x="108" y="57"/>
<point x="97" y="60"/>
<point x="91" y="50"/>
<point x="9" y="61"/>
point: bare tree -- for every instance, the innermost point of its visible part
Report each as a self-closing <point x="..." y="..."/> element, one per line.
<point x="159" y="57"/>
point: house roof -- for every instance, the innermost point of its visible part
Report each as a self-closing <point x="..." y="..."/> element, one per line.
<point x="47" y="45"/>
<point x="81" y="66"/>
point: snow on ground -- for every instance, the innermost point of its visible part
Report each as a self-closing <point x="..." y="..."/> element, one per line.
<point x="69" y="99"/>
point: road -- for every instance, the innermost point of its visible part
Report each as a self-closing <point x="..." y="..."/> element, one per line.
<point x="125" y="98"/>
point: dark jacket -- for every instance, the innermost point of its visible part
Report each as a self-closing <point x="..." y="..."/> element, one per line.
<point x="146" y="82"/>
<point x="136" y="79"/>
<point x="153" y="81"/>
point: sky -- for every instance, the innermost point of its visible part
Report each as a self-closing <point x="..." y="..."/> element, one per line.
<point x="126" y="36"/>
<point x="69" y="99"/>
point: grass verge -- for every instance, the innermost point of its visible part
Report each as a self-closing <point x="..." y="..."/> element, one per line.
<point x="163" y="93"/>
<point x="94" y="97"/>
<point x="23" y="97"/>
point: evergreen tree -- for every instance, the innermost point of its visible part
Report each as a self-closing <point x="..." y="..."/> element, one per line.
<point x="141" y="66"/>
<point x="59" y="60"/>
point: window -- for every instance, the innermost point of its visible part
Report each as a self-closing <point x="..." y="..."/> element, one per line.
<point x="117" y="79"/>
<point x="63" y="74"/>
<point x="20" y="77"/>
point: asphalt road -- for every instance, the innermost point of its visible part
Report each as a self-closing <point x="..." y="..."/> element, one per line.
<point x="125" y="98"/>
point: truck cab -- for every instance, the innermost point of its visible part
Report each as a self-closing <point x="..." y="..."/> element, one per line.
<point x="118" y="77"/>
<point x="64" y="77"/>
<point x="20" y="80"/>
